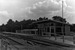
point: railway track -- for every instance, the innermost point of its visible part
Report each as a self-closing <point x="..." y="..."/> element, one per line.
<point x="31" y="38"/>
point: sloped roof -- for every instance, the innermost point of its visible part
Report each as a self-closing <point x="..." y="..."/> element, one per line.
<point x="45" y="21"/>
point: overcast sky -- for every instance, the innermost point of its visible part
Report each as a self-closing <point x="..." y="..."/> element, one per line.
<point x="33" y="9"/>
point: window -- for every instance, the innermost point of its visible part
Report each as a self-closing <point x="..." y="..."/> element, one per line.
<point x="44" y="33"/>
<point x="63" y="29"/>
<point x="52" y="30"/>
<point x="58" y="29"/>
<point x="48" y="29"/>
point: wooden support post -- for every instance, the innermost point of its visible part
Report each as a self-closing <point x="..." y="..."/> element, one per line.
<point x="21" y="28"/>
<point x="55" y="37"/>
<point x="63" y="39"/>
<point x="50" y="31"/>
<point x="63" y="34"/>
<point x="55" y="32"/>
<point x="35" y="32"/>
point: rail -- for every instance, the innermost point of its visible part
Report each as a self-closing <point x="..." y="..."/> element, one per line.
<point x="35" y="39"/>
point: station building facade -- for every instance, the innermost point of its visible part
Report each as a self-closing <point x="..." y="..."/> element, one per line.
<point x="51" y="27"/>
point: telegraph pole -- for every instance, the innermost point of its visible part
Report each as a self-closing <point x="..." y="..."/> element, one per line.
<point x="62" y="8"/>
<point x="62" y="19"/>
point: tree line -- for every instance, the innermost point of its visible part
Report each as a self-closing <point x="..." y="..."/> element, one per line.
<point x="12" y="26"/>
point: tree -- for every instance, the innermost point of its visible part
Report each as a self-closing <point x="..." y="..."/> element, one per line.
<point x="40" y="18"/>
<point x="59" y="18"/>
<point x="3" y="28"/>
<point x="10" y="25"/>
<point x="72" y="28"/>
<point x="10" y="21"/>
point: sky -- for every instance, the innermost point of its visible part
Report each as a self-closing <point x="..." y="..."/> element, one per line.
<point x="33" y="9"/>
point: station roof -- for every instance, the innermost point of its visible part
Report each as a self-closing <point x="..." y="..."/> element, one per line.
<point x="47" y="21"/>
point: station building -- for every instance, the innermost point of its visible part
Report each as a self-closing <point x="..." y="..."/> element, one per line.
<point x="49" y="28"/>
